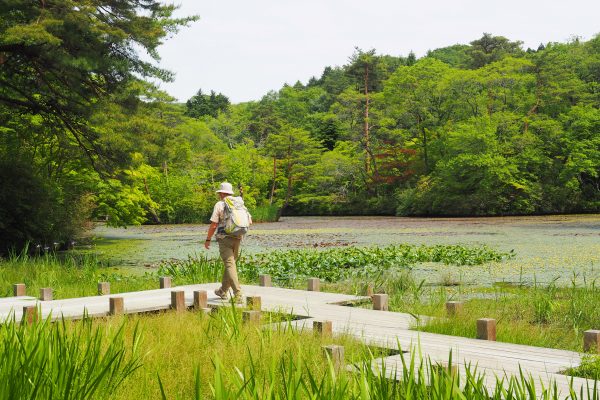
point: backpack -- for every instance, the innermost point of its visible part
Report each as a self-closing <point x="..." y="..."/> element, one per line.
<point x="237" y="218"/>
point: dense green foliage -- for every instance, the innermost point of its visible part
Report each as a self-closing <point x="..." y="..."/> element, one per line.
<point x="61" y="64"/>
<point x="479" y="129"/>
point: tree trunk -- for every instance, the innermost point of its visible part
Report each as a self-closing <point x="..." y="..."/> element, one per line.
<point x="366" y="128"/>
<point x="152" y="211"/>
<point x="538" y="102"/>
<point x="274" y="180"/>
<point x="424" y="137"/>
<point x="288" y="194"/>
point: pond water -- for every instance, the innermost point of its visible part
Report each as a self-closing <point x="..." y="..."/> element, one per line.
<point x="547" y="247"/>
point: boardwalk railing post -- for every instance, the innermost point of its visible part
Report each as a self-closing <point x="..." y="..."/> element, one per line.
<point x="46" y="294"/>
<point x="103" y="288"/>
<point x="380" y="302"/>
<point x="486" y="329"/>
<point x="454" y="308"/>
<point x="314" y="284"/>
<point x="165" y="282"/>
<point x="251" y="317"/>
<point x="264" y="280"/>
<point x="254" y="303"/>
<point x="335" y="354"/>
<point x="323" y="328"/>
<point x="19" y="289"/>
<point x="591" y="341"/>
<point x="116" y="306"/>
<point x="30" y="314"/>
<point x="200" y="299"/>
<point x="178" y="300"/>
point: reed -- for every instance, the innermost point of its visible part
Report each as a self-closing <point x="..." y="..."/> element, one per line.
<point x="62" y="360"/>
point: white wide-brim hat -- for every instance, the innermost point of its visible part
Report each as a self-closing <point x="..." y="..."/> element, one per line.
<point x="225" y="188"/>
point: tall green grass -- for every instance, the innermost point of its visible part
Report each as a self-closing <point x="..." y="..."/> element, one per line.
<point x="194" y="269"/>
<point x="65" y="361"/>
<point x="291" y="376"/>
<point x="77" y="275"/>
<point x="265" y="213"/>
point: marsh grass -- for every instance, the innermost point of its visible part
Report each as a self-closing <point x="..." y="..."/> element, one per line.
<point x="293" y="376"/>
<point x="541" y="315"/>
<point x="265" y="213"/>
<point x="77" y="275"/>
<point x="219" y="343"/>
<point x="194" y="269"/>
<point x="64" y="360"/>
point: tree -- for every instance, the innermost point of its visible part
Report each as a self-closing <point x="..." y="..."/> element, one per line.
<point x="57" y="59"/>
<point x="297" y="152"/>
<point x="455" y="56"/>
<point x="490" y="48"/>
<point x="366" y="69"/>
<point x="203" y="104"/>
<point x="416" y="100"/>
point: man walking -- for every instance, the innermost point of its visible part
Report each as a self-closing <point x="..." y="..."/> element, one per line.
<point x="229" y="245"/>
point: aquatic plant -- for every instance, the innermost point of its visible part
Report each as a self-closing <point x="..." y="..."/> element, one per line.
<point x="337" y="264"/>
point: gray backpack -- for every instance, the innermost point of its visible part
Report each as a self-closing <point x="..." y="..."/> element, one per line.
<point x="237" y="217"/>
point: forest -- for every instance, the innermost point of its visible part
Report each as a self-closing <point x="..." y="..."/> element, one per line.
<point x="480" y="129"/>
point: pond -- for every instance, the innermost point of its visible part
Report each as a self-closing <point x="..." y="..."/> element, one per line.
<point x="546" y="247"/>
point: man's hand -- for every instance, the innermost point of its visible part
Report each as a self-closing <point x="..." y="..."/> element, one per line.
<point x="211" y="231"/>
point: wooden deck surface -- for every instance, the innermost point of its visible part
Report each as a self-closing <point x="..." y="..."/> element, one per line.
<point x="379" y="328"/>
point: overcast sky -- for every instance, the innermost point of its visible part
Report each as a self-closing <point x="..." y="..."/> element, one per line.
<point x="244" y="48"/>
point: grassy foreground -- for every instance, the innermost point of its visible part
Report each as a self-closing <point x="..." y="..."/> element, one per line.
<point x="196" y="356"/>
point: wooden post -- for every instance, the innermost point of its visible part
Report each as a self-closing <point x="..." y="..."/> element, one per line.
<point x="454" y="308"/>
<point x="252" y="317"/>
<point x="200" y="299"/>
<point x="314" y="284"/>
<point x="165" y="282"/>
<point x="254" y="303"/>
<point x="591" y="341"/>
<point x="486" y="329"/>
<point x="19" y="289"/>
<point x="103" y="288"/>
<point x="323" y="328"/>
<point x="116" y="306"/>
<point x="46" y="294"/>
<point x="335" y="354"/>
<point x="452" y="370"/>
<point x="30" y="314"/>
<point x="265" y="280"/>
<point x="380" y="302"/>
<point x="178" y="300"/>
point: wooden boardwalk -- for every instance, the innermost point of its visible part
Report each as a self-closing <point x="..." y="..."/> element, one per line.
<point x="378" y="328"/>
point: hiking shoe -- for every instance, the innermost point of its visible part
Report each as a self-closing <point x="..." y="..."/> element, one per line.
<point x="221" y="294"/>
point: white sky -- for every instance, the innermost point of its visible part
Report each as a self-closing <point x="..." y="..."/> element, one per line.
<point x="244" y="48"/>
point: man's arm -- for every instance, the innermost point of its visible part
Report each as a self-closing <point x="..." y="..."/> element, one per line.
<point x="211" y="231"/>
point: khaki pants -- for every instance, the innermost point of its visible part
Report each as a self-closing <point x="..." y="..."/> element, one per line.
<point x="229" y="248"/>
